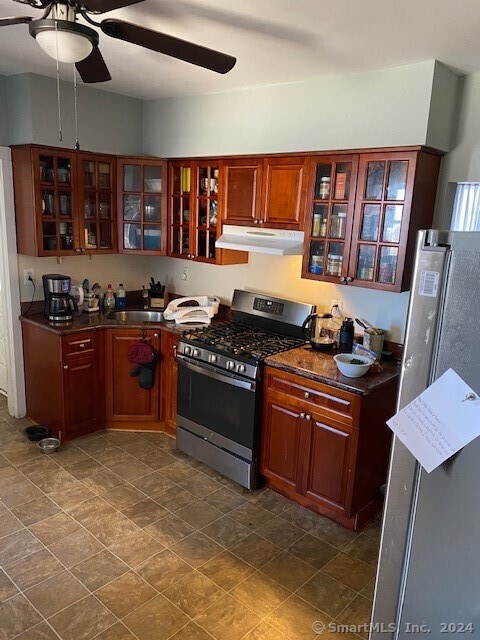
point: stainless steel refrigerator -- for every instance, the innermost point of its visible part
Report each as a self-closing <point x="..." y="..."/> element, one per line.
<point x="428" y="579"/>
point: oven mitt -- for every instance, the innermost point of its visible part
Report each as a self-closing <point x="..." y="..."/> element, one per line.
<point x="141" y="353"/>
<point x="146" y="372"/>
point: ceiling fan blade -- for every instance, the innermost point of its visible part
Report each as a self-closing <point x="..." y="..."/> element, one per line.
<point x="102" y="6"/>
<point x="171" y="46"/>
<point x="4" y="22"/>
<point x="93" y="68"/>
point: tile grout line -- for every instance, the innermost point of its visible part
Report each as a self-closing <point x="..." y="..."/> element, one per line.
<point x="127" y="483"/>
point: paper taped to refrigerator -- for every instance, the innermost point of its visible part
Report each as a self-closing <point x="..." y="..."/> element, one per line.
<point x="440" y="421"/>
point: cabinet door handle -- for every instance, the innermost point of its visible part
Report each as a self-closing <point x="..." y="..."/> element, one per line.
<point x="349" y="279"/>
<point x="82" y="345"/>
<point x="78" y="250"/>
<point x="308" y="417"/>
<point x="306" y="394"/>
<point x="155" y="335"/>
<point x="261" y="221"/>
<point x="302" y="415"/>
<point x="343" y="279"/>
<point x="65" y="366"/>
<point x="255" y="221"/>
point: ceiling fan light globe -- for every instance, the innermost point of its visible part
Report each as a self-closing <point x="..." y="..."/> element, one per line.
<point x="70" y="47"/>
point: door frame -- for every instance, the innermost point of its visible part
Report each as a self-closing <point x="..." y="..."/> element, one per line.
<point x="11" y="289"/>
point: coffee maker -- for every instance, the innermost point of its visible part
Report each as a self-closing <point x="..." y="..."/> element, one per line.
<point x="59" y="304"/>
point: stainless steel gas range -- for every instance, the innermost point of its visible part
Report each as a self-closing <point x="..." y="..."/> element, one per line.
<point x="219" y="401"/>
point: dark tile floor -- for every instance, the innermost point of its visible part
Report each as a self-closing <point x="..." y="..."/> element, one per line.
<point x="118" y="536"/>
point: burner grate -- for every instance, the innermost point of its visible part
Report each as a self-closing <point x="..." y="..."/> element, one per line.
<point x="236" y="339"/>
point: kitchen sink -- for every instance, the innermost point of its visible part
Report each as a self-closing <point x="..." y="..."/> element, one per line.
<point x="137" y="316"/>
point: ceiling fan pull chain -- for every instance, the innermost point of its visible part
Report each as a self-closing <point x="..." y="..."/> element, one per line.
<point x="75" y="106"/>
<point x="60" y="137"/>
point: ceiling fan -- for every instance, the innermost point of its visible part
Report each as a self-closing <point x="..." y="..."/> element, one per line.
<point x="60" y="35"/>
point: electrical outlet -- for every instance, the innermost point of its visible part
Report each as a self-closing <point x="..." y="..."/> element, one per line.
<point x="337" y="308"/>
<point x="184" y="274"/>
<point x="28" y="273"/>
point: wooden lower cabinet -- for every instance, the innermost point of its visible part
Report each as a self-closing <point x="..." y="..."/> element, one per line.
<point x="128" y="405"/>
<point x="64" y="380"/>
<point x="169" y="374"/>
<point x="324" y="447"/>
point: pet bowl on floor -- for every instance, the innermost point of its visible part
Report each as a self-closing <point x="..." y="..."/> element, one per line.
<point x="36" y="433"/>
<point x="48" y="445"/>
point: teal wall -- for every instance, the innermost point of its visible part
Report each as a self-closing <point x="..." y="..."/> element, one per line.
<point x="387" y="107"/>
<point x="107" y="122"/>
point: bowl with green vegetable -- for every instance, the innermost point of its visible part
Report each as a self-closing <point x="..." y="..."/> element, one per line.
<point x="352" y="365"/>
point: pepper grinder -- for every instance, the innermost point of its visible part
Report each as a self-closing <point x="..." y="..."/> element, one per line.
<point x="346" y="336"/>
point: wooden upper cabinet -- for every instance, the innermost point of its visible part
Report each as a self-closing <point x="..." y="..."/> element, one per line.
<point x="328" y="228"/>
<point x="241" y="188"/>
<point x="283" y="193"/>
<point x="63" y="201"/>
<point x="142" y="206"/>
<point x="96" y="203"/>
<point x="195" y="214"/>
<point x="269" y="192"/>
<point x="364" y="234"/>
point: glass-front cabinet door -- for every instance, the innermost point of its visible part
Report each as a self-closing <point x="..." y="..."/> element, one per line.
<point x="206" y="207"/>
<point x="381" y="218"/>
<point x="56" y="229"/>
<point x="329" y="217"/>
<point x="142" y="205"/>
<point x="194" y="209"/>
<point x="96" y="203"/>
<point x="181" y="203"/>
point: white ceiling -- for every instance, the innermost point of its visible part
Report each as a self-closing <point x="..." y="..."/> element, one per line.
<point x="274" y="41"/>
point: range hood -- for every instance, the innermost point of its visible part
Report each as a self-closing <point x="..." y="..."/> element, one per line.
<point x="278" y="242"/>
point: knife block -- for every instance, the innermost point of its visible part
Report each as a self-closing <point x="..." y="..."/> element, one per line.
<point x="158" y="300"/>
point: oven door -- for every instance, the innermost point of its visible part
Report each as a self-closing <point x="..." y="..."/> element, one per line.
<point x="218" y="406"/>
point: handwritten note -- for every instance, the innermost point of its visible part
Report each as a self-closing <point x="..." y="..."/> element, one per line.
<point x="440" y="421"/>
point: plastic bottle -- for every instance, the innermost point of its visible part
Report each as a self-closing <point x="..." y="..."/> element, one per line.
<point x="109" y="299"/>
<point x="121" y="297"/>
<point x="346" y="336"/>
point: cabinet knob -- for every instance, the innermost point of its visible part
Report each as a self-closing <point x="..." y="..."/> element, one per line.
<point x="255" y="221"/>
<point x="65" y="366"/>
<point x="343" y="279"/>
<point x="261" y="221"/>
<point x="78" y="251"/>
<point x="308" y="417"/>
<point x="302" y="415"/>
<point x="155" y="335"/>
<point x="82" y="345"/>
<point x="349" y="279"/>
<point x="306" y="394"/>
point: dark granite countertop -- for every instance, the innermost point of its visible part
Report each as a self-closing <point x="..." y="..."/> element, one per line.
<point x="321" y="367"/>
<point x="97" y="320"/>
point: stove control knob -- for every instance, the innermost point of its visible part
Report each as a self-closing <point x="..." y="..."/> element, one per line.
<point x="196" y="353"/>
<point x="241" y="368"/>
<point x="212" y="358"/>
<point x="187" y="350"/>
<point x="230" y="364"/>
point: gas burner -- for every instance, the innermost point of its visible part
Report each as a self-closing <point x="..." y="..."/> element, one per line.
<point x="234" y="339"/>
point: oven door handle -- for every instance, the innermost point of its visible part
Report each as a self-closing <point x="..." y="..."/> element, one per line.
<point x="216" y="375"/>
